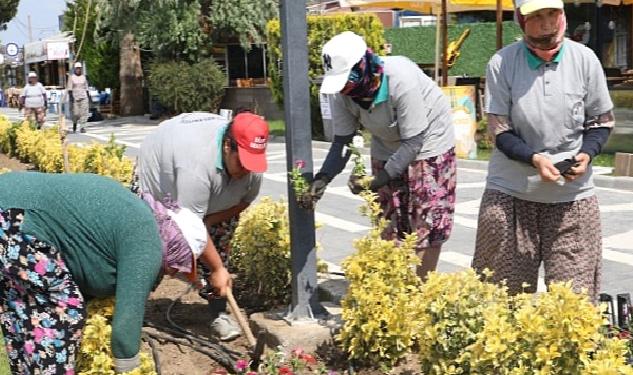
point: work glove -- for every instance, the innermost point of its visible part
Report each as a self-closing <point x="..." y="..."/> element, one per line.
<point x="356" y="183"/>
<point x="315" y="192"/>
<point x="126" y="365"/>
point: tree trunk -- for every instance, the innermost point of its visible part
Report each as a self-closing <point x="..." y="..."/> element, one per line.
<point x="130" y="77"/>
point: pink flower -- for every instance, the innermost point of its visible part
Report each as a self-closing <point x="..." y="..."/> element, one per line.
<point x="300" y="164"/>
<point x="74" y="302"/>
<point x="285" y="371"/>
<point x="297" y="352"/>
<point x="251" y="373"/>
<point x="241" y="365"/>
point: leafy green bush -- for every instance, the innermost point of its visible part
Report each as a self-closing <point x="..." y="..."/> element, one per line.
<point x="320" y="30"/>
<point x="183" y="87"/>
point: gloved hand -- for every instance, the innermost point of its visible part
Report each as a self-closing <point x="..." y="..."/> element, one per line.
<point x="356" y="183"/>
<point x="381" y="179"/>
<point x="316" y="191"/>
<point x="126" y="365"/>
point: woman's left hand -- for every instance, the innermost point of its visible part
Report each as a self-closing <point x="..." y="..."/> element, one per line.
<point x="220" y="280"/>
<point x="579" y="169"/>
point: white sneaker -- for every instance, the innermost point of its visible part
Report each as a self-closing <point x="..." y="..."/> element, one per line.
<point x="225" y="327"/>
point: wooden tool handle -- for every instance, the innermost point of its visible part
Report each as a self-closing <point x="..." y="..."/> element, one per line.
<point x="235" y="310"/>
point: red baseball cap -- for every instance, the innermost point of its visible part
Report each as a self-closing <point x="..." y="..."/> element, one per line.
<point x="250" y="131"/>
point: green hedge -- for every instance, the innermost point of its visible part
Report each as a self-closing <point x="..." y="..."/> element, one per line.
<point x="183" y="87"/>
<point x="418" y="44"/>
<point x="320" y="30"/>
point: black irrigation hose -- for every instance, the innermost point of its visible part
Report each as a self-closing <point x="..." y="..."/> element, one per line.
<point x="195" y="339"/>
<point x="218" y="352"/>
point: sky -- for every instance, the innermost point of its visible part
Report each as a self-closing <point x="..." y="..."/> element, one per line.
<point x="44" y="21"/>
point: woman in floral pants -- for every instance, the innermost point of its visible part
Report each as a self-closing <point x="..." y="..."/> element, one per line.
<point x="58" y="249"/>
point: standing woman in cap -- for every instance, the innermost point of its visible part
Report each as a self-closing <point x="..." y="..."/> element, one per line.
<point x="412" y="150"/>
<point x="550" y="112"/>
<point x="58" y="249"/>
<point x="213" y="167"/>
<point x="79" y="97"/>
<point x="34" y="100"/>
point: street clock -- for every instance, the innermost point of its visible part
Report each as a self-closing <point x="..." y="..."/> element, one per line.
<point x="12" y="49"/>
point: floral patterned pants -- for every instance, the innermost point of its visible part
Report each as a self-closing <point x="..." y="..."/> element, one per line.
<point x="422" y="201"/>
<point x="42" y="311"/>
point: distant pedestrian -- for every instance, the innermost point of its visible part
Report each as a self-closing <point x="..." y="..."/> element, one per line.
<point x="79" y="97"/>
<point x="33" y="99"/>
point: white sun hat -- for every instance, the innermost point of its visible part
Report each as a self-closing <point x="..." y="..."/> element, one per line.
<point x="529" y="6"/>
<point x="339" y="55"/>
<point x="78" y="65"/>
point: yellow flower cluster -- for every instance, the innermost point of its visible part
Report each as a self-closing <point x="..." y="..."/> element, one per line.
<point x="95" y="355"/>
<point x="4" y="170"/>
<point x="380" y="305"/>
<point x="43" y="148"/>
<point x="261" y="251"/>
<point x="458" y="323"/>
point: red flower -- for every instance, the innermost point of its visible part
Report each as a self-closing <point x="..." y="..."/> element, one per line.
<point x="285" y="371"/>
<point x="300" y="164"/>
<point x="624" y="335"/>
<point x="309" y="358"/>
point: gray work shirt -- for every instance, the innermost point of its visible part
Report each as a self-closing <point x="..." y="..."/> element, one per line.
<point x="183" y="159"/>
<point x="409" y="104"/>
<point x="546" y="104"/>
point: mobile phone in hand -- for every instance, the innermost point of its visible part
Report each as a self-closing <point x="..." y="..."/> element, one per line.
<point x="564" y="166"/>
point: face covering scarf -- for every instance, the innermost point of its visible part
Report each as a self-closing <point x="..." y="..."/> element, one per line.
<point x="364" y="79"/>
<point x="545" y="46"/>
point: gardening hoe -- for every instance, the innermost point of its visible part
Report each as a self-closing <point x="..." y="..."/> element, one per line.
<point x="257" y="346"/>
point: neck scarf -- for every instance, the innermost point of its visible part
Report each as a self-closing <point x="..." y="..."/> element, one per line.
<point x="529" y="28"/>
<point x="364" y="79"/>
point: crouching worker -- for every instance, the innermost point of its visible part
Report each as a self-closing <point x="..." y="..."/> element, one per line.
<point x="59" y="249"/>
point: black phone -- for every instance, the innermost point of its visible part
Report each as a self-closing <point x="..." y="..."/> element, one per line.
<point x="564" y="166"/>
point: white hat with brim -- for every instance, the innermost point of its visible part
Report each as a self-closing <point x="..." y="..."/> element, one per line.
<point x="339" y="55"/>
<point x="530" y="6"/>
<point x="32" y="75"/>
<point x="78" y="65"/>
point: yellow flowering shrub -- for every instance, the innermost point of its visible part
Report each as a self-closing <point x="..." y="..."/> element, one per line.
<point x="95" y="354"/>
<point x="469" y="326"/>
<point x="453" y="312"/>
<point x="459" y="323"/>
<point x="43" y="148"/>
<point x="382" y="297"/>
<point x="260" y="254"/>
